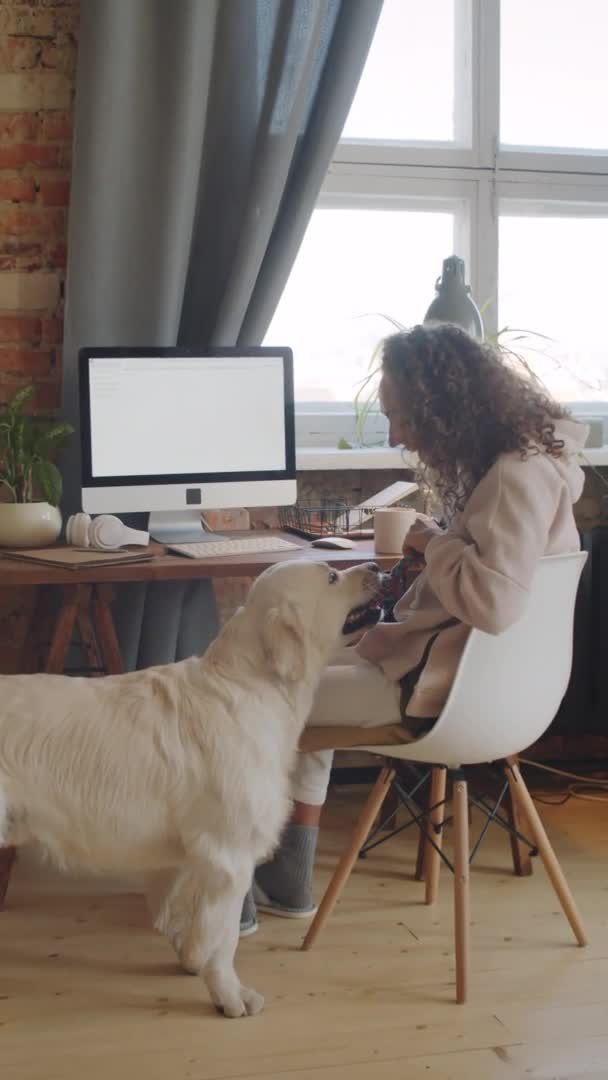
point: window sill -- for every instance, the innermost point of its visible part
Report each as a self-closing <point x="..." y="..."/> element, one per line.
<point x="319" y="458"/>
<point x="594" y="455"/>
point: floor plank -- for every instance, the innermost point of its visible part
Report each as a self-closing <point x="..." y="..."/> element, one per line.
<point x="87" y="989"/>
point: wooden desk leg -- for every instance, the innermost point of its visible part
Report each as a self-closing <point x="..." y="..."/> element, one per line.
<point x="90" y="645"/>
<point x="30" y="659"/>
<point x="72" y="596"/>
<point x="106" y="633"/>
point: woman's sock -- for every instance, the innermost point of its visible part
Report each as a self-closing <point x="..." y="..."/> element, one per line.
<point x="286" y="881"/>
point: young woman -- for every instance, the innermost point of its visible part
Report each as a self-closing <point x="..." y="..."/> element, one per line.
<point x="500" y="457"/>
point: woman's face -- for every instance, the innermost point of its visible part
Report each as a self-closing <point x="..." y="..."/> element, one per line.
<point x="399" y="431"/>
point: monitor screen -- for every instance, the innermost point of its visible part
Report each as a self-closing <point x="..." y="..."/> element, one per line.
<point x="180" y="417"/>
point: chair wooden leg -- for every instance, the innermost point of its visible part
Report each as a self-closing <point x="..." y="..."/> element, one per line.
<point x="432" y="858"/>
<point x="349" y="856"/>
<point x="390" y="809"/>
<point x="522" y="863"/>
<point x="461" y="888"/>
<point x="547" y="854"/>
<point x="7" y="858"/>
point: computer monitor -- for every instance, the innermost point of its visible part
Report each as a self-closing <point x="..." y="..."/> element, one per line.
<point x="175" y="431"/>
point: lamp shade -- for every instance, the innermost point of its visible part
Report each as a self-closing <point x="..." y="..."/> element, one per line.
<point x="453" y="302"/>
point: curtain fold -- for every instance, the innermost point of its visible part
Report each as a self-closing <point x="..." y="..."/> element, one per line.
<point x="203" y="132"/>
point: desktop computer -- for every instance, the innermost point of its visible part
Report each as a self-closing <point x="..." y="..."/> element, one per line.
<point x="176" y="431"/>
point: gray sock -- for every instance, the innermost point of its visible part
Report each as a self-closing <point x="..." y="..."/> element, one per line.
<point x="248" y="912"/>
<point x="287" y="878"/>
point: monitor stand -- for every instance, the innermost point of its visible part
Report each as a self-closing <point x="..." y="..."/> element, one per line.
<point x="179" y="527"/>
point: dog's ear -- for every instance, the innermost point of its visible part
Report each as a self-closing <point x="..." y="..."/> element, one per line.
<point x="284" y="641"/>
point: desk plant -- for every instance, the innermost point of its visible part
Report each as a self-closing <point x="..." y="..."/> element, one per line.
<point x="30" y="482"/>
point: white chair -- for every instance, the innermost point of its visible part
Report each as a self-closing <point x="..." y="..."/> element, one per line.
<point x="506" y="692"/>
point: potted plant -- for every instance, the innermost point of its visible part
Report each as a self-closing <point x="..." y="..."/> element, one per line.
<point x="30" y="482"/>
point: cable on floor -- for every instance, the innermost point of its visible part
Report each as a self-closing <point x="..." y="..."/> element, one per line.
<point x="573" y="791"/>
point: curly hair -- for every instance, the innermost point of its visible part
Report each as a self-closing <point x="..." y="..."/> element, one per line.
<point x="465" y="404"/>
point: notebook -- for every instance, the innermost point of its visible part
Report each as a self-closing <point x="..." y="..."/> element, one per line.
<point x="76" y="558"/>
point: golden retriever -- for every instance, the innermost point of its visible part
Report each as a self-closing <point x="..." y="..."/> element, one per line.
<point x="180" y="772"/>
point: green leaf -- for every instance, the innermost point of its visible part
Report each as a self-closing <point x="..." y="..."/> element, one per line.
<point x="343" y="444"/>
<point x="19" y="399"/>
<point x="47" y="478"/>
<point x="26" y="445"/>
<point x="58" y="433"/>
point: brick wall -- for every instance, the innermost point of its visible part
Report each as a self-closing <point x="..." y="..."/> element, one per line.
<point x="37" y="72"/>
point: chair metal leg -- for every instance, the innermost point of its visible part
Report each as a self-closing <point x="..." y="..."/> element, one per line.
<point x="349" y="856"/>
<point x="432" y="858"/>
<point x="547" y="854"/>
<point x="461" y="887"/>
<point x="7" y="858"/>
<point x="522" y="863"/>
<point x="420" y="871"/>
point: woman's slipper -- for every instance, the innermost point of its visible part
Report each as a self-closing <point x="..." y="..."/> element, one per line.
<point x="265" y="903"/>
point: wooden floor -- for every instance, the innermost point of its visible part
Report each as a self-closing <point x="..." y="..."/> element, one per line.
<point x="88" y="991"/>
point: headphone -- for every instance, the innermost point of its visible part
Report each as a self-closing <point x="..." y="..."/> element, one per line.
<point x="104" y="533"/>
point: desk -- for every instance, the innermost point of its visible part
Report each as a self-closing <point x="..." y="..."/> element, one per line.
<point x="86" y="595"/>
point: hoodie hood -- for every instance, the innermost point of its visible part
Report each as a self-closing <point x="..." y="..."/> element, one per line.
<point x="574" y="437"/>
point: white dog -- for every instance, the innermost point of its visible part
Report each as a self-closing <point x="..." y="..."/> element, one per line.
<point x="180" y="772"/>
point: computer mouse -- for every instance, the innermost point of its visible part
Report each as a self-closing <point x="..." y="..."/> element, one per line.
<point x="341" y="543"/>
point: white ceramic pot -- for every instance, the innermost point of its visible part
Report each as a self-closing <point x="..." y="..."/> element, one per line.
<point x="26" y="525"/>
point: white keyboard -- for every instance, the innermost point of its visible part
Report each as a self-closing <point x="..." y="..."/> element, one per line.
<point x="250" y="545"/>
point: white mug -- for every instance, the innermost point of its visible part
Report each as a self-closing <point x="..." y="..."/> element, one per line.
<point x="391" y="526"/>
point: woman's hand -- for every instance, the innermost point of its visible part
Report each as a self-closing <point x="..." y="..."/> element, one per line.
<point x="421" y="533"/>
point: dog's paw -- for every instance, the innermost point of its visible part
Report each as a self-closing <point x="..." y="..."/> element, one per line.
<point x="253" y="1002"/>
<point x="248" y="1003"/>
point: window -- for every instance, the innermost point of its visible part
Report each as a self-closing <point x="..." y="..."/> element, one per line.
<point x="354" y="271"/>
<point x="554" y="77"/>
<point x="543" y="292"/>
<point x="399" y="75"/>
<point x="477" y="129"/>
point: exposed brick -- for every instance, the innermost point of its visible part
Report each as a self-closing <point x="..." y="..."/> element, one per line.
<point x="36" y="221"/>
<point x="35" y="90"/>
<point x="52" y="332"/>
<point x="58" y="256"/>
<point x="18" y="126"/>
<point x="26" y="328"/>
<point x="17" y="188"/>
<point x="55" y="192"/>
<point x="18" y="53"/>
<point x="35" y="23"/>
<point x="30" y="153"/>
<point x="33" y="362"/>
<point x="55" y="126"/>
<point x="17" y="254"/>
<point x="31" y="292"/>
<point x="59" y="55"/>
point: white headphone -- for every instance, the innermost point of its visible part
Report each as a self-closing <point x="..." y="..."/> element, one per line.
<point x="104" y="533"/>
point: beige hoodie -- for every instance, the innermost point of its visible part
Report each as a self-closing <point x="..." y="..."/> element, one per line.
<point x="479" y="572"/>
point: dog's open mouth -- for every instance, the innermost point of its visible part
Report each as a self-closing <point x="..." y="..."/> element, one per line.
<point x="361" y="617"/>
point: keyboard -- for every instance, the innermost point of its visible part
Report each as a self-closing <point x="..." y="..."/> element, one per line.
<point x="250" y="545"/>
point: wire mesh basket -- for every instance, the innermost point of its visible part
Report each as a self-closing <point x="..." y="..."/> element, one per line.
<point x="331" y="517"/>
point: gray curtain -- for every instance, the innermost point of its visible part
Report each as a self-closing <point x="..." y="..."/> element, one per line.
<point x="204" y="129"/>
